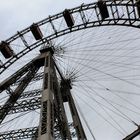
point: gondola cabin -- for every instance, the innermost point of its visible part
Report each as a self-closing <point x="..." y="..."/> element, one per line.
<point x="138" y="7"/>
<point x="103" y="9"/>
<point x="68" y="18"/>
<point x="6" y="50"/>
<point x="36" y="31"/>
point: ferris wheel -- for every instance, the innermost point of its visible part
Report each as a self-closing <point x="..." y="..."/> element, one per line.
<point x="73" y="75"/>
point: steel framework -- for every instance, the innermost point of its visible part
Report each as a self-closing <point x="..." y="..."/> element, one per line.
<point x="53" y="119"/>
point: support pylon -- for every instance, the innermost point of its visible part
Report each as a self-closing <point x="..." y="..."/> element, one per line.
<point x="54" y="124"/>
<point x="52" y="101"/>
<point x="53" y="115"/>
<point x="65" y="90"/>
<point x="47" y="107"/>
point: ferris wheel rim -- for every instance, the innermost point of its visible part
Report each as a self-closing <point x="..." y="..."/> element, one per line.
<point x="128" y="22"/>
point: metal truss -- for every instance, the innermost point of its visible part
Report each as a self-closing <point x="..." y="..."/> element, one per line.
<point x="29" y="133"/>
<point x="32" y="93"/>
<point x="37" y="77"/>
<point x="12" y="79"/>
<point x="128" y="18"/>
<point x="25" y="105"/>
<point x="18" y="134"/>
<point x="6" y="108"/>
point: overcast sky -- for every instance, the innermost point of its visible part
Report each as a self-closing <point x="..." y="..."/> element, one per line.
<point x="18" y="14"/>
